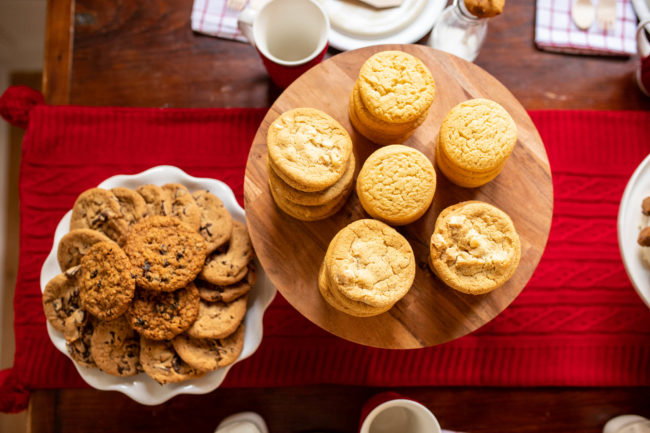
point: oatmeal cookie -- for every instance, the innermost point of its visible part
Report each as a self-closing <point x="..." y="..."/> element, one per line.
<point x="106" y="283"/>
<point x="163" y="315"/>
<point x="165" y="253"/>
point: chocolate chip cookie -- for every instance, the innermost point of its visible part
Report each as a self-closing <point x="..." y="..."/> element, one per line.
<point x="156" y="200"/>
<point x="161" y="362"/>
<point x="99" y="209"/>
<point x="115" y="348"/>
<point x="213" y="293"/>
<point x="163" y="315"/>
<point x="132" y="205"/>
<point x="61" y="299"/>
<point x="79" y="348"/>
<point x="183" y="205"/>
<point x="106" y="283"/>
<point x="228" y="265"/>
<point x="209" y="354"/>
<point x="218" y="320"/>
<point x="216" y="222"/>
<point x="74" y="245"/>
<point x="165" y="253"/>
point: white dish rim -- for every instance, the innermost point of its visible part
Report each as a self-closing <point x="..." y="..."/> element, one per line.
<point x="412" y="33"/>
<point x="629" y="213"/>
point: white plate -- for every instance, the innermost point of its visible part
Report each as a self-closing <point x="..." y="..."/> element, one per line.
<point x="141" y="387"/>
<point x="629" y="222"/>
<point x="642" y="9"/>
<point x="356" y="25"/>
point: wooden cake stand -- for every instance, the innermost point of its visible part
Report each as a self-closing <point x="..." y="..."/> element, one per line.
<point x="291" y="251"/>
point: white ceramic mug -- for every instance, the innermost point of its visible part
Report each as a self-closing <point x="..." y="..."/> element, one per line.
<point x="401" y="415"/>
<point x="643" y="47"/>
<point x="290" y="35"/>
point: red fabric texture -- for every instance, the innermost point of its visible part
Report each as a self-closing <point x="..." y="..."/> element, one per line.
<point x="579" y="322"/>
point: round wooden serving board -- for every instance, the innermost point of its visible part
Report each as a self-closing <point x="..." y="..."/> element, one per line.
<point x="291" y="251"/>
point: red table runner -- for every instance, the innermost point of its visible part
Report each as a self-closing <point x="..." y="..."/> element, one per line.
<point x="579" y="322"/>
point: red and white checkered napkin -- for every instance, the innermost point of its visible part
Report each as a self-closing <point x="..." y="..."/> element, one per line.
<point x="214" y="18"/>
<point x="555" y="30"/>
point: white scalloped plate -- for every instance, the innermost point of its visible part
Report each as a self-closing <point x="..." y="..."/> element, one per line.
<point x="629" y="221"/>
<point x="357" y="25"/>
<point x="141" y="387"/>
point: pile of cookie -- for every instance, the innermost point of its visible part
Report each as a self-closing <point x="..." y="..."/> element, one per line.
<point x="154" y="280"/>
<point x="368" y="265"/>
<point x="310" y="164"/>
<point x="389" y="117"/>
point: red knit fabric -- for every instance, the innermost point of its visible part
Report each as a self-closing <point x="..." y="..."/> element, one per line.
<point x="579" y="322"/>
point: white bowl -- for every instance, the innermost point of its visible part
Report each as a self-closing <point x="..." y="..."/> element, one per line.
<point x="141" y="387"/>
<point x="629" y="224"/>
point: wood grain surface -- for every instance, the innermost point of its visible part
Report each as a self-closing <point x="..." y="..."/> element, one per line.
<point x="337" y="409"/>
<point x="134" y="53"/>
<point x="291" y="251"/>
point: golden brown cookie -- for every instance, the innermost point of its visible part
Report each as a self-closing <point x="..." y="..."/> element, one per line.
<point x="61" y="299"/>
<point x="377" y="130"/>
<point x="115" y="348"/>
<point x="74" y="245"/>
<point x="218" y="320"/>
<point x="347" y="306"/>
<point x="474" y="247"/>
<point x="161" y="362"/>
<point x="370" y="262"/>
<point x="183" y="205"/>
<point x="310" y="213"/>
<point x="213" y="293"/>
<point x="106" y="283"/>
<point x="165" y="253"/>
<point x="396" y="87"/>
<point x="216" y="221"/>
<point x="475" y="140"/>
<point x="132" y="205"/>
<point x="316" y="198"/>
<point x="163" y="315"/>
<point x="79" y="347"/>
<point x="156" y="199"/>
<point x="99" y="209"/>
<point x="228" y="264"/>
<point x="308" y="149"/>
<point x="485" y="8"/>
<point x="207" y="354"/>
<point x="396" y="184"/>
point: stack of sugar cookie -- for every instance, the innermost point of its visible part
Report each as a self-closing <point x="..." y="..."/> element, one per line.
<point x="474" y="247"/>
<point x="310" y="164"/>
<point x="368" y="267"/>
<point x="476" y="138"/>
<point x="396" y="184"/>
<point x="391" y="97"/>
<point x="154" y="280"/>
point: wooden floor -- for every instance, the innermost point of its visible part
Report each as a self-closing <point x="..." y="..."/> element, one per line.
<point x="337" y="409"/>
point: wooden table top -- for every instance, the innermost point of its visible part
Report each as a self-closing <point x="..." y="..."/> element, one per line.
<point x="132" y="53"/>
